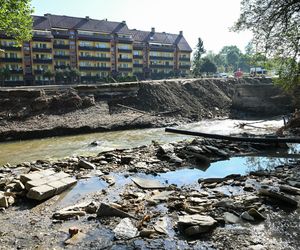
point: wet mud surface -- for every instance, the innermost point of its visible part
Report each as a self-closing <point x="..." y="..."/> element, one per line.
<point x="196" y="178"/>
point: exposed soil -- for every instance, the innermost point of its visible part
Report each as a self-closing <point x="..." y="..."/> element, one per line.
<point x="163" y="103"/>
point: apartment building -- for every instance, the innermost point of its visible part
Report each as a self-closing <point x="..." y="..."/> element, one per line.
<point x="97" y="48"/>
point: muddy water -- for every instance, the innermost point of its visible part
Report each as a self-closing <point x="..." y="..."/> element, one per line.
<point x="60" y="147"/>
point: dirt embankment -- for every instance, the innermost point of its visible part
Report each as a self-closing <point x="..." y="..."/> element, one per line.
<point x="26" y="114"/>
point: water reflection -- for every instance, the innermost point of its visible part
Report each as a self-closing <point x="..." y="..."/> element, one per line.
<point x="60" y="147"/>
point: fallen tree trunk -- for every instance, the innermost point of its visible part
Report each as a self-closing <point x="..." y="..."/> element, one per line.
<point x="236" y="138"/>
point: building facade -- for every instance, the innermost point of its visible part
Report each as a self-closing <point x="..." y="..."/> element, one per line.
<point x="96" y="48"/>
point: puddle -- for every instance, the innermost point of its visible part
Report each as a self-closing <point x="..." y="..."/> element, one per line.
<point x="181" y="177"/>
<point x="235" y="165"/>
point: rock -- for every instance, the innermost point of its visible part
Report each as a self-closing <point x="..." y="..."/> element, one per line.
<point x="255" y="214"/>
<point x="279" y="197"/>
<point x="175" y="159"/>
<point x="3" y="200"/>
<point x="166" y="149"/>
<point x="211" y="180"/>
<point x="75" y="239"/>
<point x="161" y="225"/>
<point x="73" y="231"/>
<point x="294" y="183"/>
<point x="91" y="208"/>
<point x="217" y="151"/>
<point x="147" y="183"/>
<point x="231" y="218"/>
<point x="107" y="211"/>
<point x="226" y="203"/>
<point x="246" y="216"/>
<point x="249" y="187"/>
<point x="109" y="179"/>
<point x="125" y="230"/>
<point x="195" y="224"/>
<point x="86" y="165"/>
<point x="64" y="215"/>
<point x="289" y="189"/>
<point x="147" y="233"/>
<point x="95" y="143"/>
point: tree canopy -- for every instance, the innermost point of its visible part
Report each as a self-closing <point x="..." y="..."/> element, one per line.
<point x="197" y="61"/>
<point x="275" y="25"/>
<point x="15" y="19"/>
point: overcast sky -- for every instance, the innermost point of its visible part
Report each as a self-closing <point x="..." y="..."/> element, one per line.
<point x="208" y="19"/>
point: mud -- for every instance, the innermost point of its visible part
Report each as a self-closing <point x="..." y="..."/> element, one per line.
<point x="28" y="114"/>
<point x="31" y="225"/>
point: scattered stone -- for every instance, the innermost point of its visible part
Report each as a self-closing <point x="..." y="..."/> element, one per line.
<point x="75" y="239"/>
<point x="246" y="216"/>
<point x="86" y="165"/>
<point x="107" y="211"/>
<point x="211" y="180"/>
<point x="166" y="149"/>
<point x="73" y="231"/>
<point x="96" y="143"/>
<point x="195" y="224"/>
<point x="109" y="179"/>
<point x="64" y="215"/>
<point x="255" y="214"/>
<point x="289" y="189"/>
<point x="125" y="230"/>
<point x="279" y="197"/>
<point x="231" y="218"/>
<point x="161" y="225"/>
<point x="147" y="183"/>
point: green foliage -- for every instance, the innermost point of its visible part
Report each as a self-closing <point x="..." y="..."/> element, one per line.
<point x="276" y="33"/>
<point x="197" y="62"/>
<point x="208" y="66"/>
<point x="15" y="19"/>
<point x="4" y="74"/>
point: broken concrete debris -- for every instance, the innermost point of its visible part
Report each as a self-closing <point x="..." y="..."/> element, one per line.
<point x="106" y="210"/>
<point x="147" y="183"/>
<point x="195" y="224"/>
<point x="125" y="230"/>
<point x="44" y="184"/>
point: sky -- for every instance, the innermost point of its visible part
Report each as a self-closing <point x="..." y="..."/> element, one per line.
<point x="208" y="19"/>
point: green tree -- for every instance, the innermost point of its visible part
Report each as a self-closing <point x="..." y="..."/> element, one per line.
<point x="276" y="32"/>
<point x="4" y="74"/>
<point x="74" y="75"/>
<point x="48" y="74"/>
<point x="208" y="66"/>
<point x="15" y="19"/>
<point x="197" y="61"/>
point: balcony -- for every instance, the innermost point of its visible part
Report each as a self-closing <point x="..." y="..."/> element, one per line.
<point x="61" y="67"/>
<point x="67" y="57"/>
<point x="100" y="38"/>
<point x="184" y="66"/>
<point x="138" y="65"/>
<point x="92" y="48"/>
<point x="124" y="59"/>
<point x="10" y="48"/>
<point x="184" y="59"/>
<point x="16" y="71"/>
<point x="126" y="40"/>
<point x="10" y="59"/>
<point x="138" y="56"/>
<point x="94" y="58"/>
<point x="124" y="69"/>
<point x="161" y="66"/>
<point x="38" y="71"/>
<point x="125" y="50"/>
<point x="162" y="48"/>
<point x="94" y="68"/>
<point x="61" y="34"/>
<point x="162" y="58"/>
<point x="138" y="46"/>
<point x="61" y="46"/>
<point x="44" y="50"/>
<point x="40" y="60"/>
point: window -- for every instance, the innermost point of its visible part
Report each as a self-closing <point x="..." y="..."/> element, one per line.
<point x="136" y="53"/>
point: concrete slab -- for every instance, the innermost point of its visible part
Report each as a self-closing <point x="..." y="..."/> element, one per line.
<point x="147" y="183"/>
<point x="41" y="193"/>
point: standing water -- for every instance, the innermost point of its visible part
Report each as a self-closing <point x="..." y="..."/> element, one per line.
<point x="60" y="147"/>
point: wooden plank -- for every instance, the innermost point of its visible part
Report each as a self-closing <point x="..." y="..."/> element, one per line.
<point x="236" y="138"/>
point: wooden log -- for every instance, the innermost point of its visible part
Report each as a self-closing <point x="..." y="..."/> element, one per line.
<point x="270" y="139"/>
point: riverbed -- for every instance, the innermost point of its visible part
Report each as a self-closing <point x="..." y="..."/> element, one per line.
<point x="59" y="147"/>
